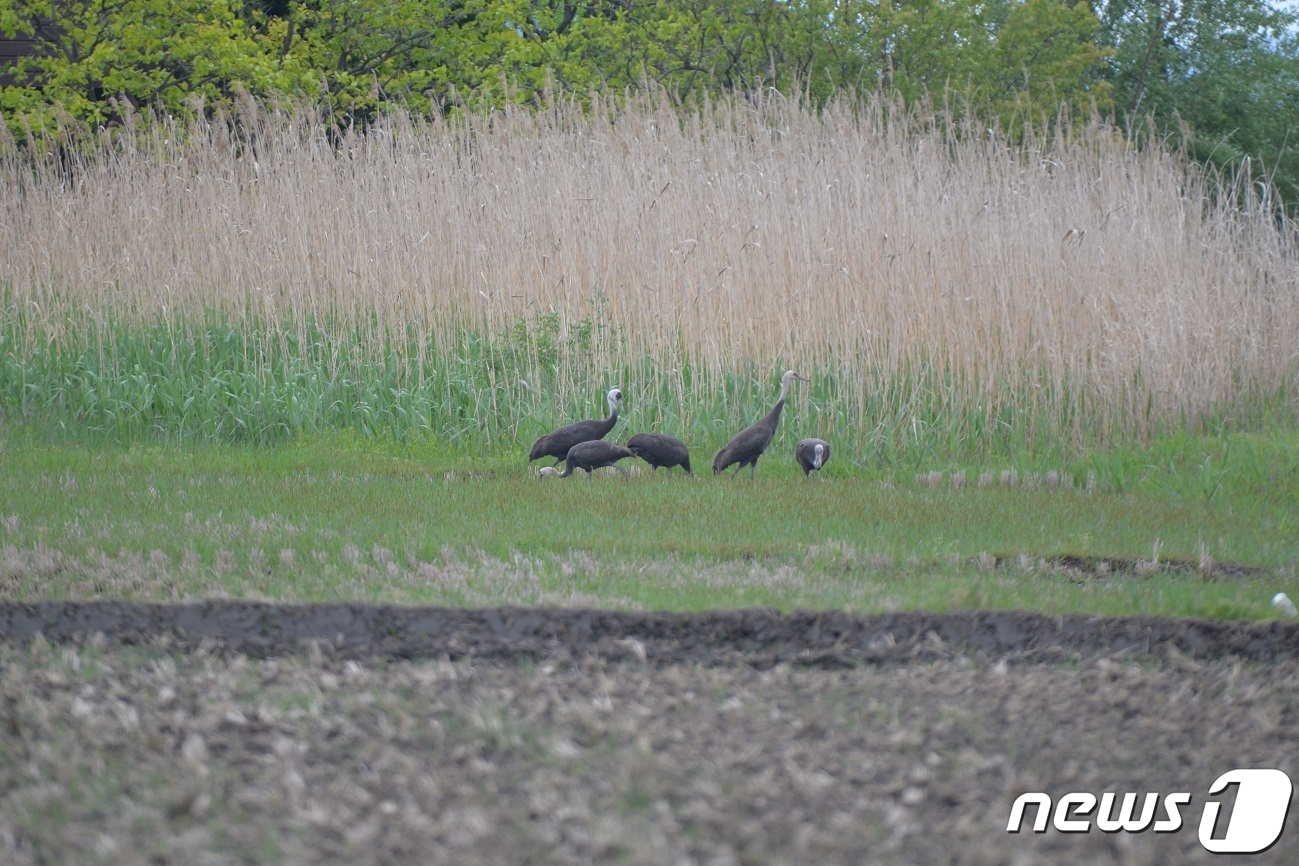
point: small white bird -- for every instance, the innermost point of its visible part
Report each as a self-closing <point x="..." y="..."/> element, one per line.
<point x="1282" y="602"/>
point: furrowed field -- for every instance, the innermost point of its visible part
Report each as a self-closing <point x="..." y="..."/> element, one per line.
<point x="261" y="360"/>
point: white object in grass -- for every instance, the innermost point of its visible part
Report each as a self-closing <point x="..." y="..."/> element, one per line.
<point x="1282" y="602"/>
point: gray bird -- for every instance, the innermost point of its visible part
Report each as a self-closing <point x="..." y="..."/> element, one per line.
<point x="747" y="445"/>
<point x="812" y="454"/>
<point x="558" y="443"/>
<point x="591" y="455"/>
<point x="660" y="449"/>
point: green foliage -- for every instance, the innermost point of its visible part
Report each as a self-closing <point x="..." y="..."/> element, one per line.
<point x="994" y="56"/>
<point x="246" y="379"/>
<point x="1221" y="75"/>
<point x="1046" y="56"/>
<point x="100" y="64"/>
<point x="423" y="54"/>
<point x="426" y="54"/>
<point x="338" y="516"/>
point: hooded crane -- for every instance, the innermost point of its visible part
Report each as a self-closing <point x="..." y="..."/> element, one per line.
<point x="558" y="443"/>
<point x="659" y="449"/>
<point x="591" y="455"/>
<point x="812" y="454"/>
<point x="749" y="443"/>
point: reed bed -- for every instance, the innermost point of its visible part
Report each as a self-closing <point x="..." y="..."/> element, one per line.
<point x="948" y="292"/>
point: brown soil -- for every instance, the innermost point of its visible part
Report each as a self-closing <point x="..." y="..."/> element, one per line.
<point x="247" y="732"/>
<point x="757" y="638"/>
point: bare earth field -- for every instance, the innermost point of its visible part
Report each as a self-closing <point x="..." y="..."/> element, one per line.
<point x="256" y="733"/>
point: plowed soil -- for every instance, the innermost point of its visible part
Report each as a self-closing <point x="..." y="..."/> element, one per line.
<point x="249" y="732"/>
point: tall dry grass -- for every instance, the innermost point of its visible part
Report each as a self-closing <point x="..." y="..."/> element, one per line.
<point x="922" y="267"/>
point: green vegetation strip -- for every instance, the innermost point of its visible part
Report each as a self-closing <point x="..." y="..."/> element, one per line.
<point x="345" y="518"/>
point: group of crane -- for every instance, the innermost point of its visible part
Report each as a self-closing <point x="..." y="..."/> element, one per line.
<point x="582" y="445"/>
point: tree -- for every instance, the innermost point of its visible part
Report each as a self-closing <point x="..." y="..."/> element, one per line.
<point x="1047" y="56"/>
<point x="991" y="53"/>
<point x="97" y="60"/>
<point x="690" y="48"/>
<point x="1222" y="76"/>
<point x="1004" y="58"/>
<point x="418" y="53"/>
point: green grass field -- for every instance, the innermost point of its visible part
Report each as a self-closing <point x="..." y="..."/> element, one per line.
<point x="1048" y="368"/>
<point x="345" y="517"/>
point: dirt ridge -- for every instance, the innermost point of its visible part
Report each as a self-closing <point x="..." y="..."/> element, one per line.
<point x="754" y="637"/>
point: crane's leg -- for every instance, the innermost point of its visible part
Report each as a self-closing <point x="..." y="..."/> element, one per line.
<point x="753" y="467"/>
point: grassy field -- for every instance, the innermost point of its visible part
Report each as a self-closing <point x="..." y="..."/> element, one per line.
<point x="259" y="357"/>
<point x="347" y="518"/>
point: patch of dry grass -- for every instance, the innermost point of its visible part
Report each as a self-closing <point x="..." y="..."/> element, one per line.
<point x="1079" y="280"/>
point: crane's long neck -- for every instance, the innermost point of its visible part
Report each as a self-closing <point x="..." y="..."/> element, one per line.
<point x="608" y="423"/>
<point x="773" y="417"/>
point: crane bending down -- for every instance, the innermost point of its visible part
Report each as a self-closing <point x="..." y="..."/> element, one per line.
<point x="590" y="455"/>
<point x="812" y="454"/>
<point x="660" y="449"/>
<point x="558" y="443"/>
<point x="747" y="445"/>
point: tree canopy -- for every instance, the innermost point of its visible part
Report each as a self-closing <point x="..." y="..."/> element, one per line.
<point x="1220" y="75"/>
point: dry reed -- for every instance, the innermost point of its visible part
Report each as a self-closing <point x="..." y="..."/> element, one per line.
<point x="1078" y="278"/>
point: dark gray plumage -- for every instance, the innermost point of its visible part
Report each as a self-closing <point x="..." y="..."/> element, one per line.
<point x="812" y="454"/>
<point x="558" y="443"/>
<point x="591" y="455"/>
<point x="747" y="445"/>
<point x="660" y="449"/>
